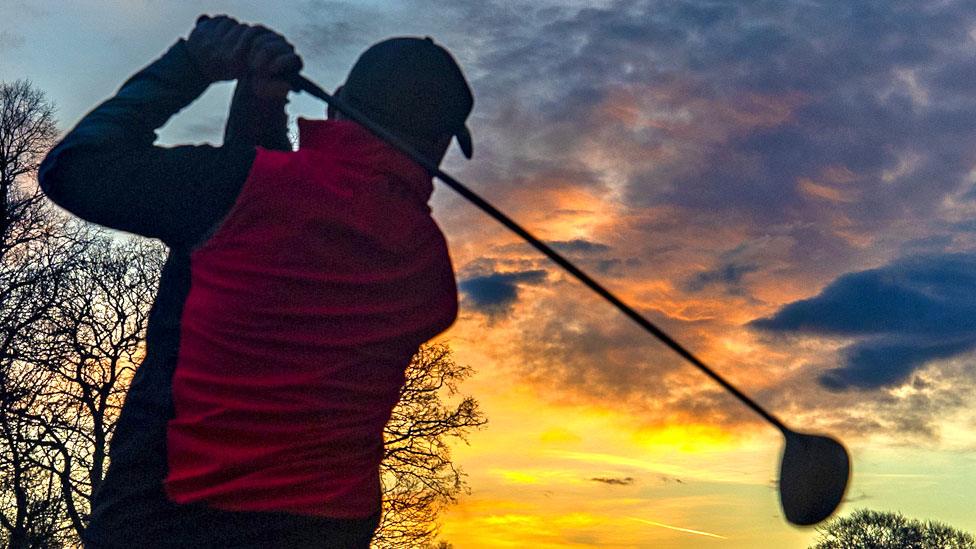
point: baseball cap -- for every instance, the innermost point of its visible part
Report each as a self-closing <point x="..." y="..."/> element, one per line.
<point x="412" y="85"/>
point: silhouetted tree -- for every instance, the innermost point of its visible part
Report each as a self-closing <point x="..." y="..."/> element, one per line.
<point x="30" y="510"/>
<point x="66" y="370"/>
<point x="73" y="310"/>
<point x="866" y="529"/>
<point x="27" y="130"/>
<point x="89" y="346"/>
<point x="419" y="478"/>
<point x="33" y="259"/>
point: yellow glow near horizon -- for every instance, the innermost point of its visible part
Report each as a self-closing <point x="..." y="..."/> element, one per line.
<point x="687" y="437"/>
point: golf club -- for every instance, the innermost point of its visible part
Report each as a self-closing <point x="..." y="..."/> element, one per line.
<point x="814" y="470"/>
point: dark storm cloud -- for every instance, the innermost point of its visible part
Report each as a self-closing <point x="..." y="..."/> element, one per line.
<point x="497" y="292"/>
<point x="749" y="98"/>
<point x="884" y="362"/>
<point x="752" y="97"/>
<point x="904" y="315"/>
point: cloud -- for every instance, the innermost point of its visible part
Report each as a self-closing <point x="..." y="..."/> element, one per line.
<point x="903" y="315"/>
<point x="885" y="362"/>
<point x="496" y="293"/>
<point x="758" y="111"/>
<point x="730" y="157"/>
<point x="613" y="481"/>
<point x="340" y="33"/>
<point x="579" y="246"/>
<point x="729" y="274"/>
<point x="577" y="349"/>
<point x="827" y="134"/>
<point x="204" y="129"/>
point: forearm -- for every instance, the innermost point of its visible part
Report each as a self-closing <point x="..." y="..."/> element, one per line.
<point x="255" y="120"/>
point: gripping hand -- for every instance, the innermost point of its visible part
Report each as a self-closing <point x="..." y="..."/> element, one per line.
<point x="226" y="49"/>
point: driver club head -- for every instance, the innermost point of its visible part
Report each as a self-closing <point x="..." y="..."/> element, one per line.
<point x="813" y="477"/>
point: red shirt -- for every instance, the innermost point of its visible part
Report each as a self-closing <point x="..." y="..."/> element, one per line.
<point x="304" y="310"/>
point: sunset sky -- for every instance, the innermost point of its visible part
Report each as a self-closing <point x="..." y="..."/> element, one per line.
<point x="788" y="188"/>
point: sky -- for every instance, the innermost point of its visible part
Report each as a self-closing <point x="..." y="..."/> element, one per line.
<point x="787" y="188"/>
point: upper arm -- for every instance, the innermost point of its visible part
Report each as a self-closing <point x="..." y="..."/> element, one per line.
<point x="170" y="193"/>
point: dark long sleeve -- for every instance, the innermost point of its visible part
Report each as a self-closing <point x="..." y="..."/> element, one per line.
<point x="107" y="170"/>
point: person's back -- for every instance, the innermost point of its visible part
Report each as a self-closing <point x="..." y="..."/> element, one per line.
<point x="306" y="306"/>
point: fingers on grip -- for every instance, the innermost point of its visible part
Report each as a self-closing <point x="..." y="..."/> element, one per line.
<point x="272" y="55"/>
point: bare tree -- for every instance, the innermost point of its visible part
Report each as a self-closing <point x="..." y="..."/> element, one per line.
<point x="419" y="478"/>
<point x="33" y="276"/>
<point x="30" y="507"/>
<point x="31" y="262"/>
<point x="65" y="373"/>
<point x="89" y="347"/>
<point x="27" y="130"/>
<point x="869" y="529"/>
<point x="73" y="311"/>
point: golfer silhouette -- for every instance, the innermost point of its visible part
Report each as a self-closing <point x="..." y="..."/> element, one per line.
<point x="298" y="286"/>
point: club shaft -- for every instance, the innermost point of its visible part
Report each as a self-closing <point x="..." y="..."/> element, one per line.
<point x="303" y="84"/>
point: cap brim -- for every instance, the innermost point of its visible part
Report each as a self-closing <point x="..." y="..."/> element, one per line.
<point x="463" y="137"/>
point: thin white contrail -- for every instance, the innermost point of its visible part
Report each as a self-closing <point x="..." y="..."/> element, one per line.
<point x="669" y="527"/>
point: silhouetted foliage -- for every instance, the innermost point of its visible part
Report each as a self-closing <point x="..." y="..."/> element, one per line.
<point x="419" y="478"/>
<point x="32" y="261"/>
<point x="89" y="346"/>
<point x="73" y="311"/>
<point x="866" y="529"/>
<point x="27" y="130"/>
<point x="72" y="340"/>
